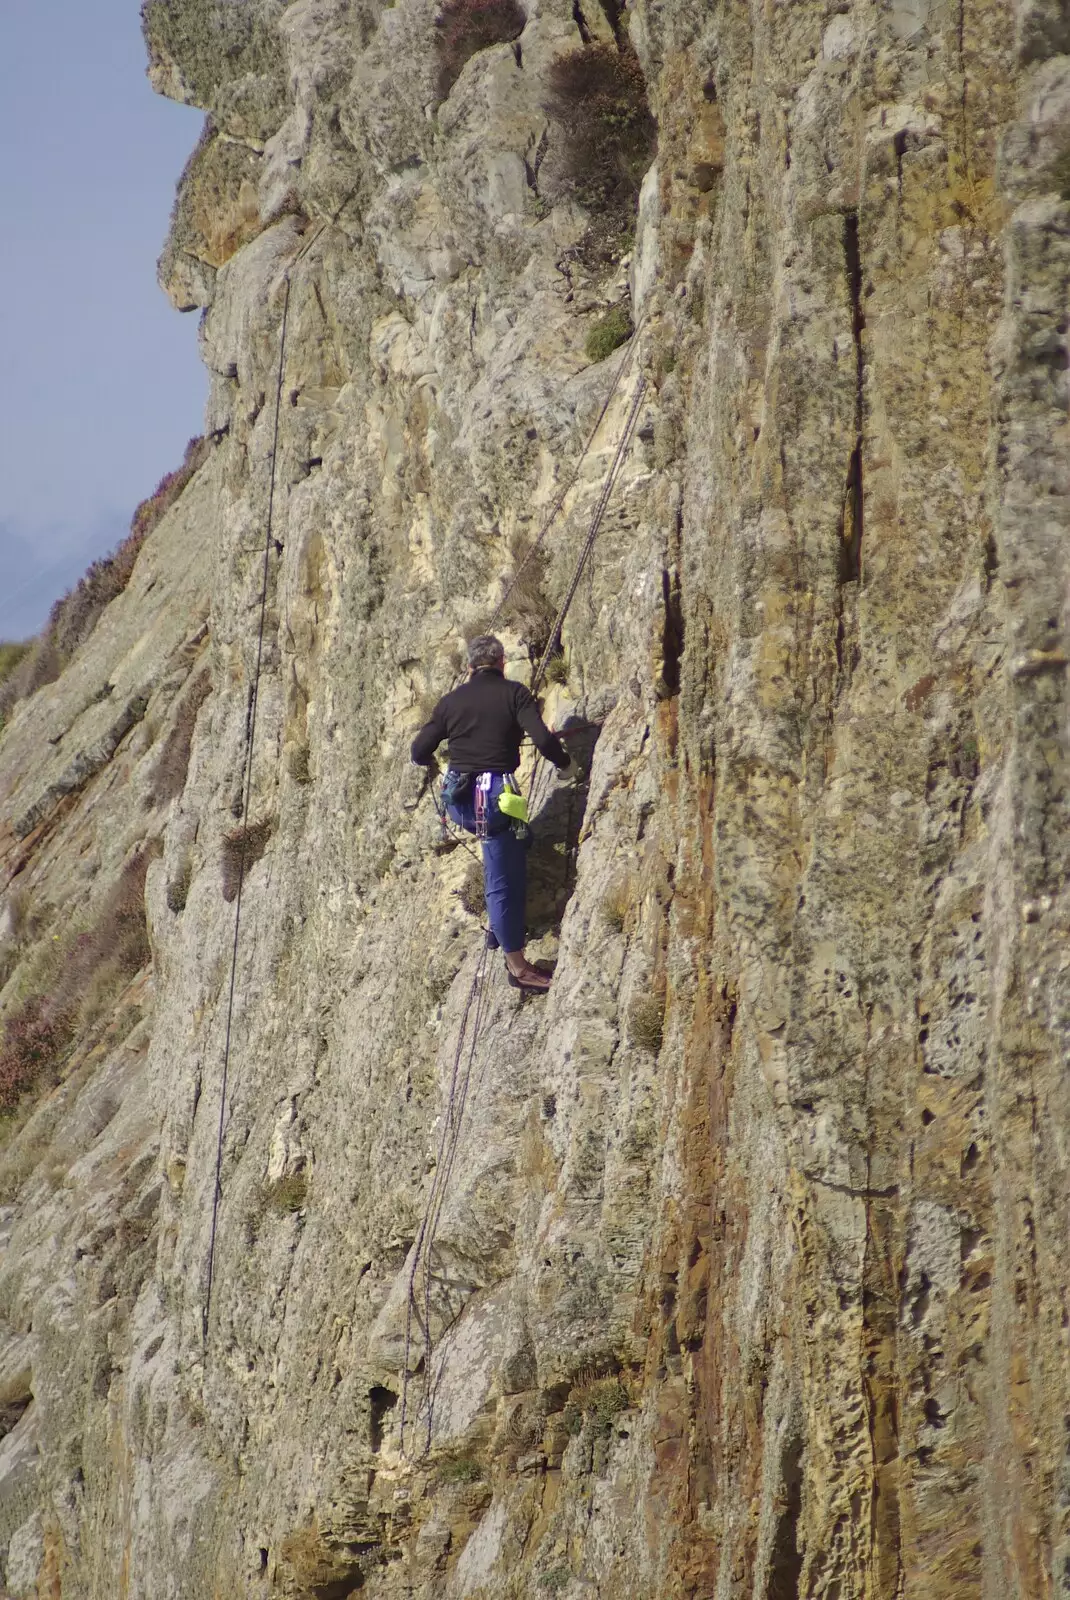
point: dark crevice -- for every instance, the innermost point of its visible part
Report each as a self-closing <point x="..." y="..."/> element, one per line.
<point x="851" y="543"/>
<point x="785" y="1564"/>
<point x="900" y="144"/>
<point x="581" y="21"/>
<point x="11" y="1414"/>
<point x="558" y="823"/>
<point x="853" y="518"/>
<point x="531" y="168"/>
<point x="380" y="1403"/>
<point x="518" y="53"/>
<point x="672" y="633"/>
<point x="612" y="11"/>
<point x="340" y="1588"/>
<point x="991" y="563"/>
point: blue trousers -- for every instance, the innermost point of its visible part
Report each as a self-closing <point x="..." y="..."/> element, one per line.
<point x="505" y="867"/>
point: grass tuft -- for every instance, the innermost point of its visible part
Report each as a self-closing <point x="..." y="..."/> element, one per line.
<point x="616" y="904"/>
<point x="609" y="333"/>
<point x="169" y="777"/>
<point x="284" y="1198"/>
<point x="597" y="102"/>
<point x="460" y="1469"/>
<point x="297" y="763"/>
<point x="556" y="669"/>
<point x="287" y="1195"/>
<point x="554" y="1579"/>
<point x="470" y="894"/>
<point x="242" y="849"/>
<point x="597" y="1403"/>
<point x="646" y="1022"/>
<point x="178" y="886"/>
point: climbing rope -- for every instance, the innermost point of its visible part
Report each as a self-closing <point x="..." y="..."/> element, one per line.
<point x="250" y="732"/>
<point x="247" y="780"/>
<point x="472" y="1016"/>
<point x="555" y="509"/>
<point x="449" y="1140"/>
<point x="592" y="533"/>
<point x="541" y="777"/>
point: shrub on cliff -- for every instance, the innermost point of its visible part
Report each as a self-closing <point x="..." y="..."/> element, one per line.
<point x="169" y="778"/>
<point x="597" y="99"/>
<point x="242" y="849"/>
<point x="74" y="616"/>
<point x="526" y="606"/>
<point x="608" y="334"/>
<point x="12" y="651"/>
<point x="35" y="1039"/>
<point x="73" y="982"/>
<point x="467" y="26"/>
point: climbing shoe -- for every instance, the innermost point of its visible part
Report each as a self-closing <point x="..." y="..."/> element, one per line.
<point x="533" y="981"/>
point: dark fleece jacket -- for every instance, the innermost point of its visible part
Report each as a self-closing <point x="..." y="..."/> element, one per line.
<point x="484" y="721"/>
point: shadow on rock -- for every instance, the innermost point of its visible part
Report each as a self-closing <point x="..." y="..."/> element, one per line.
<point x="556" y="822"/>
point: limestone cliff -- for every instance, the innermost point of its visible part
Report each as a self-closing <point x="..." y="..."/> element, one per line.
<point x="737" y="1266"/>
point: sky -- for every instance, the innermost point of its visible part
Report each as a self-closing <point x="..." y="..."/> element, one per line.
<point x="100" y="380"/>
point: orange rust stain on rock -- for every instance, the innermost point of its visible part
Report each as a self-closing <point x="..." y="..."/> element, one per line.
<point x="50" y="1574"/>
<point x="688" y="1353"/>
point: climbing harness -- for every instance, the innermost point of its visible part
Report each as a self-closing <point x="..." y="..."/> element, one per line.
<point x="250" y="732"/>
<point x="482" y="801"/>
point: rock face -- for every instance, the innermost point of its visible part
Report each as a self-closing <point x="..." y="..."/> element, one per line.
<point x="736" y="1267"/>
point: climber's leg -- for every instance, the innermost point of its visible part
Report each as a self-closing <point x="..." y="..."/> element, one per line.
<point x="505" y="869"/>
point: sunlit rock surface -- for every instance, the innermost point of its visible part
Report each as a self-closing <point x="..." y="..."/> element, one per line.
<point x="737" y="1267"/>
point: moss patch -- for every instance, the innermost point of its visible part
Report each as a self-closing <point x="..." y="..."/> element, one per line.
<point x="608" y="334"/>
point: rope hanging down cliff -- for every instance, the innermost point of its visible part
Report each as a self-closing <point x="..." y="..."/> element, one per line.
<point x="555" y="509"/>
<point x="472" y="1017"/>
<point x="459" y="1083"/>
<point x="592" y="533"/>
<point x="247" y="774"/>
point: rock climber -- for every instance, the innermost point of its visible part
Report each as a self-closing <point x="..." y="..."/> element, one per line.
<point x="484" y="721"/>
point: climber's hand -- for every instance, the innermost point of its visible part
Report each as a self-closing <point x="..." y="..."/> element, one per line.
<point x="413" y="783"/>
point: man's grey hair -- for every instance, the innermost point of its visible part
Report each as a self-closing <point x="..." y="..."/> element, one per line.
<point x="485" y="651"/>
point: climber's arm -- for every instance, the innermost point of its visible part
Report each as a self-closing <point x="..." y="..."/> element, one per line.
<point x="545" y="742"/>
<point x="430" y="737"/>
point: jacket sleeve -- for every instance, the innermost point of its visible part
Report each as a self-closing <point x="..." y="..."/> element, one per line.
<point x="545" y="742"/>
<point x="430" y="736"/>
